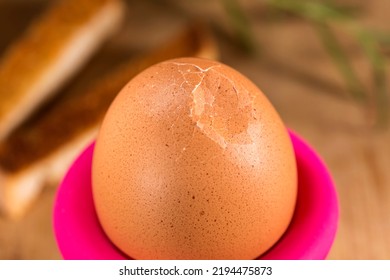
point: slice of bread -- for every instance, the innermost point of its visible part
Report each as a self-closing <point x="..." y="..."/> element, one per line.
<point x="41" y="150"/>
<point x="54" y="48"/>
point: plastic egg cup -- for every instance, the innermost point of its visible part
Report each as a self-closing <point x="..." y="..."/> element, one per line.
<point x="310" y="234"/>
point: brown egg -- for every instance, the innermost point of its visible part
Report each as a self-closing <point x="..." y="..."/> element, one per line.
<point x="193" y="162"/>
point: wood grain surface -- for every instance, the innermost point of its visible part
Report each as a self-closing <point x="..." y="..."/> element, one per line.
<point x="297" y="75"/>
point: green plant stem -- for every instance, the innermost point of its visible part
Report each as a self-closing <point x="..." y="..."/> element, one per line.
<point x="321" y="13"/>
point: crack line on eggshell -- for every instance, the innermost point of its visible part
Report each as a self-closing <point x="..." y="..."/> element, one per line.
<point x="201" y="74"/>
<point x="196" y="66"/>
<point x="208" y="99"/>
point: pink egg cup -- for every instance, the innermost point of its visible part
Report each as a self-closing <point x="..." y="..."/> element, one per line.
<point x="309" y="236"/>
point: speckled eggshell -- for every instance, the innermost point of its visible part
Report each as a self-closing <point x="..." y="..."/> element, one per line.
<point x="193" y="162"/>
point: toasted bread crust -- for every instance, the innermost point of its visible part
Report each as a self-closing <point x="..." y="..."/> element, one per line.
<point x="51" y="51"/>
<point x="61" y="133"/>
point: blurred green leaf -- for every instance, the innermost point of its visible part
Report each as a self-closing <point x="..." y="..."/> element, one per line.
<point x="312" y="10"/>
<point x="342" y="61"/>
<point x="371" y="48"/>
<point x="383" y="38"/>
<point x="241" y="25"/>
<point x="321" y="14"/>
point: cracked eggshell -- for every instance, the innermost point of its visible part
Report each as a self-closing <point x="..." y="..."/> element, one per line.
<point x="193" y="162"/>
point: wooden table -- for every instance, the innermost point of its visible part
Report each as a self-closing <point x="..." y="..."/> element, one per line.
<point x="303" y="84"/>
